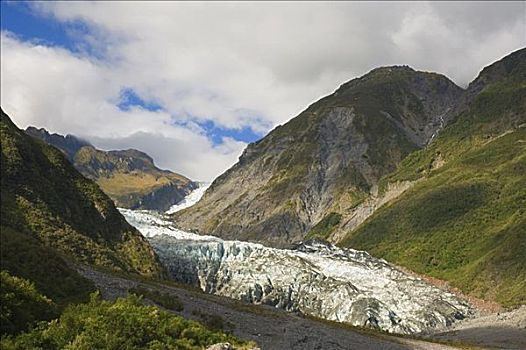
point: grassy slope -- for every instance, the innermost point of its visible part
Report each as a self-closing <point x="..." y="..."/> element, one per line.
<point x="127" y="189"/>
<point x="129" y="176"/>
<point x="466" y="220"/>
<point x="44" y="197"/>
<point x="24" y="256"/>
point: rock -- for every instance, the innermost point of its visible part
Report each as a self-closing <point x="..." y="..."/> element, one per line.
<point x="221" y="346"/>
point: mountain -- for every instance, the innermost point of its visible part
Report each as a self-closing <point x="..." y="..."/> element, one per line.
<point x="306" y="176"/>
<point x="52" y="220"/>
<point x="402" y="164"/>
<point x="464" y="217"/>
<point x="129" y="177"/>
<point x="69" y="144"/>
<point x="51" y="214"/>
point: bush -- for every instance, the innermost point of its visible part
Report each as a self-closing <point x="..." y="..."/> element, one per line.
<point x="21" y="305"/>
<point x="122" y="324"/>
<point x="165" y="300"/>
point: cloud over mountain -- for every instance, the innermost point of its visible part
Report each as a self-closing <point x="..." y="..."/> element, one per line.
<point x="237" y="65"/>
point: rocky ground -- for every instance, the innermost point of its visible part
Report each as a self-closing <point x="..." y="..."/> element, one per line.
<point x="502" y="330"/>
<point x="269" y="327"/>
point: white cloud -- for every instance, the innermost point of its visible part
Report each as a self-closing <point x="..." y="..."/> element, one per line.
<point x="50" y="87"/>
<point x="237" y="64"/>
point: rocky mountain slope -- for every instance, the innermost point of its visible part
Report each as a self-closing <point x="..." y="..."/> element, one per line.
<point x="311" y="172"/>
<point x="51" y="213"/>
<point x="464" y="218"/>
<point x="129" y="177"/>
<point x="402" y="164"/>
<point x="316" y="279"/>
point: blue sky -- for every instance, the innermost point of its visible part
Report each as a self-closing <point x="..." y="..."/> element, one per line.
<point x="19" y="18"/>
<point x="193" y="83"/>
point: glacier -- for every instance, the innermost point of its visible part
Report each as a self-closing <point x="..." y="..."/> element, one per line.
<point x="192" y="198"/>
<point x="313" y="278"/>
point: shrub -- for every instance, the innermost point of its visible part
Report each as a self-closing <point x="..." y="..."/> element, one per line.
<point x="21" y="305"/>
<point x="165" y="300"/>
<point x="122" y="324"/>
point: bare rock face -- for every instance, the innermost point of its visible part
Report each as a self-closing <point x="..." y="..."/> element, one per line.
<point x="357" y="215"/>
<point x="326" y="160"/>
<point x="313" y="278"/>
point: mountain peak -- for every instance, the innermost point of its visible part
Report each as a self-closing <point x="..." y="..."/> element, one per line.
<point x="329" y="157"/>
<point x="511" y="66"/>
<point x="399" y="77"/>
<point x="391" y="69"/>
<point x="68" y="144"/>
<point x="129" y="176"/>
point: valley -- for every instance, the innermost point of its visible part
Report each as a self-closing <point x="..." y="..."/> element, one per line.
<point x="314" y="278"/>
<point x="326" y="234"/>
<point x="270" y="328"/>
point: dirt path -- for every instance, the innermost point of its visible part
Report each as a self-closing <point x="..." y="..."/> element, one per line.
<point x="271" y="328"/>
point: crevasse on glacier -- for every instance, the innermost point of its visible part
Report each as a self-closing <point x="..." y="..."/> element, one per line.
<point x="314" y="278"/>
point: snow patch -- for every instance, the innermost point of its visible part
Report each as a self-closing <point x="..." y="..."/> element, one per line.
<point x="192" y="198"/>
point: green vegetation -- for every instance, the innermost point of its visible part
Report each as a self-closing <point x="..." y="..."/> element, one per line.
<point x="45" y="198"/>
<point x="465" y="221"/>
<point x="21" y="304"/>
<point x="324" y="228"/>
<point x="24" y="256"/>
<point x="165" y="300"/>
<point x="123" y="324"/>
<point x="213" y="321"/>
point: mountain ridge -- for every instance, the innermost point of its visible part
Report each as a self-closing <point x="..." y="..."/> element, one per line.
<point x="129" y="177"/>
<point x="329" y="157"/>
<point x="47" y="200"/>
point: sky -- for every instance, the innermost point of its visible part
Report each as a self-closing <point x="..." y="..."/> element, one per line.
<point x="193" y="83"/>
